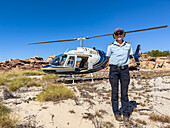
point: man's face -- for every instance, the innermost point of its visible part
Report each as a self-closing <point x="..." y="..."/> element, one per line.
<point x="119" y="35"/>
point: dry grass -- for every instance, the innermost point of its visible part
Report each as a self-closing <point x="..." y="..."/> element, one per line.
<point x="17" y="78"/>
<point x="151" y="107"/>
<point x="135" y="109"/>
<point x="90" y="102"/>
<point x="18" y="82"/>
<point x="106" y="97"/>
<point x="103" y="111"/>
<point x="141" y="121"/>
<point x="3" y="80"/>
<point x="72" y="111"/>
<point x="142" y="104"/>
<point x="55" y="93"/>
<point x="143" y="113"/>
<point x="155" y="117"/>
<point x="108" y="125"/>
<point x="89" y="116"/>
<point x="95" y="118"/>
<point x="20" y="72"/>
<point x="6" y="120"/>
<point x="98" y="114"/>
<point x="33" y="73"/>
<point x="49" y="79"/>
<point x="135" y="98"/>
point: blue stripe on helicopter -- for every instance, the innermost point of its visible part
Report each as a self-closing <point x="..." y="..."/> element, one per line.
<point x="50" y="66"/>
<point x="103" y="58"/>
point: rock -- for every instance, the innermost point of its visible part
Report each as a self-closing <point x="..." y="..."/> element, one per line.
<point x="50" y="58"/>
<point x="6" y="94"/>
<point x="36" y="58"/>
<point x="151" y="66"/>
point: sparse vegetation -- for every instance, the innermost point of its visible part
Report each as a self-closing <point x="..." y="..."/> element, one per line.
<point x="6" y="121"/>
<point x="49" y="79"/>
<point x="85" y="91"/>
<point x="18" y="72"/>
<point x="98" y="114"/>
<point x="108" y="125"/>
<point x="141" y="121"/>
<point x="33" y="73"/>
<point x="142" y="104"/>
<point x="71" y="111"/>
<point x="3" y="80"/>
<point x="55" y="93"/>
<point x="143" y="113"/>
<point x="155" y="117"/>
<point x="18" y="82"/>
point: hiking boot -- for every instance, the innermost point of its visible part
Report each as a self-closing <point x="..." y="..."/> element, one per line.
<point x="118" y="117"/>
<point x="125" y="118"/>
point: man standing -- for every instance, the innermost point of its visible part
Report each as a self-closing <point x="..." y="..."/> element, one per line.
<point x="118" y="55"/>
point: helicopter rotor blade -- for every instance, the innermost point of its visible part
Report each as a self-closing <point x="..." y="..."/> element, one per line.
<point x="98" y="36"/>
<point x="53" y="41"/>
<point x="131" y="31"/>
<point x="147" y="29"/>
<point x="83" y="38"/>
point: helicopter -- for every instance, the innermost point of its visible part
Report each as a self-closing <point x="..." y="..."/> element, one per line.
<point x="84" y="60"/>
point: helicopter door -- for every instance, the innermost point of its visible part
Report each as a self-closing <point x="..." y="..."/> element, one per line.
<point x="82" y="63"/>
<point x="71" y="61"/>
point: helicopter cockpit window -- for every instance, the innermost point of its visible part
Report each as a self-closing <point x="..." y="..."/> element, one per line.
<point x="71" y="61"/>
<point x="59" y="60"/>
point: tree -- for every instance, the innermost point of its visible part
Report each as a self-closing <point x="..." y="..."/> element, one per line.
<point x="157" y="53"/>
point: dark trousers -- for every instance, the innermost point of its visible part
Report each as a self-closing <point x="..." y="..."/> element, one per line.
<point x="115" y="75"/>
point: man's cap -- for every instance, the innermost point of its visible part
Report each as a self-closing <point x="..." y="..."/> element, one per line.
<point x="118" y="29"/>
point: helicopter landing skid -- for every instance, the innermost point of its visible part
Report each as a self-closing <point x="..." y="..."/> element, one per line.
<point x="73" y="79"/>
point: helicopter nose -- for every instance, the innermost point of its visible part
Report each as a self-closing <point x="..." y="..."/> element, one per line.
<point x="47" y="69"/>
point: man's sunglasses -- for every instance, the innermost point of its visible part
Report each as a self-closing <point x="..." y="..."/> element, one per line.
<point x="120" y="33"/>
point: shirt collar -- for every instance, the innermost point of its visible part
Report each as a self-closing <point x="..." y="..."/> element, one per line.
<point x="118" y="44"/>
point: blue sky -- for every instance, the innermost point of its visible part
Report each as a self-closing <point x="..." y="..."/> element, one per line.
<point x="27" y="21"/>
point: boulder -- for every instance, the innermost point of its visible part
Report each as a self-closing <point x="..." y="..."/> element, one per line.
<point x="50" y="58"/>
<point x="36" y="58"/>
<point x="151" y="66"/>
<point x="5" y="94"/>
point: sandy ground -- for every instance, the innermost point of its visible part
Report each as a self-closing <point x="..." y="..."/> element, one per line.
<point x="92" y="107"/>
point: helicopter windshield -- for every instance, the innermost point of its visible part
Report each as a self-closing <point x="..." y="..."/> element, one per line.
<point x="59" y="60"/>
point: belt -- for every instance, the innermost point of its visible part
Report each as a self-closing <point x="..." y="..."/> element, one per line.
<point x="119" y="67"/>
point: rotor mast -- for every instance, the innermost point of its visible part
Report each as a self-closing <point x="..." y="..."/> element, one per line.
<point x="81" y="40"/>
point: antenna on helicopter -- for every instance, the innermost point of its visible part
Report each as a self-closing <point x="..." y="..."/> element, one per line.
<point x="66" y="50"/>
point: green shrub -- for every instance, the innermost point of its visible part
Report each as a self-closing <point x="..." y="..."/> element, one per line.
<point x="33" y="83"/>
<point x="22" y="81"/>
<point x="55" y="93"/>
<point x="6" y="121"/>
<point x="3" y="109"/>
<point x="18" y="82"/>
<point x="11" y="75"/>
<point x="33" y="73"/>
<point x="49" y="79"/>
<point x="3" y="80"/>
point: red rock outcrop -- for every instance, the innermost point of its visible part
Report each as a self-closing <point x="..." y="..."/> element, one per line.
<point x="36" y="62"/>
<point x="32" y="63"/>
